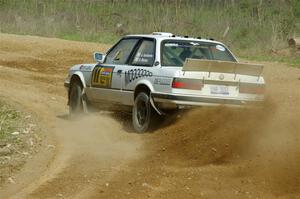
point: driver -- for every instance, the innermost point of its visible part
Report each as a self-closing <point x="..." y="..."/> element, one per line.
<point x="186" y="53"/>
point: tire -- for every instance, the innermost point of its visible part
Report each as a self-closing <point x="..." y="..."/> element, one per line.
<point x="143" y="115"/>
<point x="76" y="105"/>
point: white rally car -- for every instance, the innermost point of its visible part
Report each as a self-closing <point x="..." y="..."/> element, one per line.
<point x="152" y="73"/>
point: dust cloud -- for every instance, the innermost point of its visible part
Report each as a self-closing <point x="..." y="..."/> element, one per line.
<point x="263" y="138"/>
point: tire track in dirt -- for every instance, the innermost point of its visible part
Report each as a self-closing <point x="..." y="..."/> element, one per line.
<point x="88" y="151"/>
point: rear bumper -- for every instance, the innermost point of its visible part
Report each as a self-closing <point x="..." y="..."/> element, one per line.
<point x="183" y="101"/>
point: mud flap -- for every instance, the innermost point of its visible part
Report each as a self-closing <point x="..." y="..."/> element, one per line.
<point x="154" y="107"/>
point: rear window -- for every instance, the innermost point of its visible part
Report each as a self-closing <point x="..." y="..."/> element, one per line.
<point x="175" y="52"/>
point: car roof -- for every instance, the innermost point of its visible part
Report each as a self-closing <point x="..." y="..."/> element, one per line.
<point x="170" y="36"/>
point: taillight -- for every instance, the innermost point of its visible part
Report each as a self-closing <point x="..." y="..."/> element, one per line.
<point x="194" y="84"/>
<point x="252" y="89"/>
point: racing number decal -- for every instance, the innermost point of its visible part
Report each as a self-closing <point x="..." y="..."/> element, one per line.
<point x="134" y="74"/>
<point x="102" y="76"/>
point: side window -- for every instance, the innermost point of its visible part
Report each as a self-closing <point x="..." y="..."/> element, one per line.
<point x="144" y="56"/>
<point x="121" y="52"/>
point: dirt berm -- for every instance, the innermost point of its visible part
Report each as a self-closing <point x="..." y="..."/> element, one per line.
<point x="204" y="153"/>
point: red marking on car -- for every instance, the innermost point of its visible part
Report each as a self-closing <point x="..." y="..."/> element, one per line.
<point x="193" y="84"/>
<point x="252" y="89"/>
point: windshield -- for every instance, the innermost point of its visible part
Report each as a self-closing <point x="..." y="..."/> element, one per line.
<point x="174" y="52"/>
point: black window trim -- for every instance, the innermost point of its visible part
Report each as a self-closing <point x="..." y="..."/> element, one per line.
<point x="133" y="49"/>
<point x="136" y="49"/>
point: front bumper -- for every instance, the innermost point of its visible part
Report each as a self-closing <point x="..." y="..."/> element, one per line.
<point x="182" y="101"/>
<point x="67" y="85"/>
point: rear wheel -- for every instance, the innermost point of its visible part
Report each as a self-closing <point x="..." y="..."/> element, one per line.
<point x="143" y="115"/>
<point x="76" y="104"/>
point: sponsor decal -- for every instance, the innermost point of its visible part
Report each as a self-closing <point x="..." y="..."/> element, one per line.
<point x="85" y="68"/>
<point x="171" y="44"/>
<point x="102" y="76"/>
<point x="221" y="77"/>
<point x="220" y="48"/>
<point x="135" y="74"/>
<point x="162" y="81"/>
<point x="143" y="59"/>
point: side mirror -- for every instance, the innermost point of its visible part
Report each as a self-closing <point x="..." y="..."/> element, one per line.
<point x="99" y="57"/>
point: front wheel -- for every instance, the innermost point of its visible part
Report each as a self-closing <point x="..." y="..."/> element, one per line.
<point x="142" y="113"/>
<point x="76" y="105"/>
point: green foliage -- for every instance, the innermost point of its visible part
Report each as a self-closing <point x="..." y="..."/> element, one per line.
<point x="9" y="120"/>
<point x="258" y="24"/>
<point x="296" y="8"/>
<point x="291" y="61"/>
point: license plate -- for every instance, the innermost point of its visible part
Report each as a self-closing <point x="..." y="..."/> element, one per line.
<point x="223" y="90"/>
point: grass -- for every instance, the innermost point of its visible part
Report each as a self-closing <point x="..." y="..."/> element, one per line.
<point x="9" y="122"/>
<point x="15" y="148"/>
<point x="288" y="56"/>
<point x="285" y="55"/>
<point x="253" y="25"/>
<point x="291" y="61"/>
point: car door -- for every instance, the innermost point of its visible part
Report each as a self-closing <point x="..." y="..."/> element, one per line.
<point x="106" y="80"/>
<point x="140" y="66"/>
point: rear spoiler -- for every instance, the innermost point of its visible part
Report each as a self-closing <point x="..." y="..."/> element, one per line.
<point x="222" y="67"/>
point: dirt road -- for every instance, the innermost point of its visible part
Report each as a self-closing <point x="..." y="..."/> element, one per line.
<point x="206" y="153"/>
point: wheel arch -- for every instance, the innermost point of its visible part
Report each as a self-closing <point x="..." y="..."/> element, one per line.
<point x="143" y="86"/>
<point x="147" y="88"/>
<point x="76" y="77"/>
